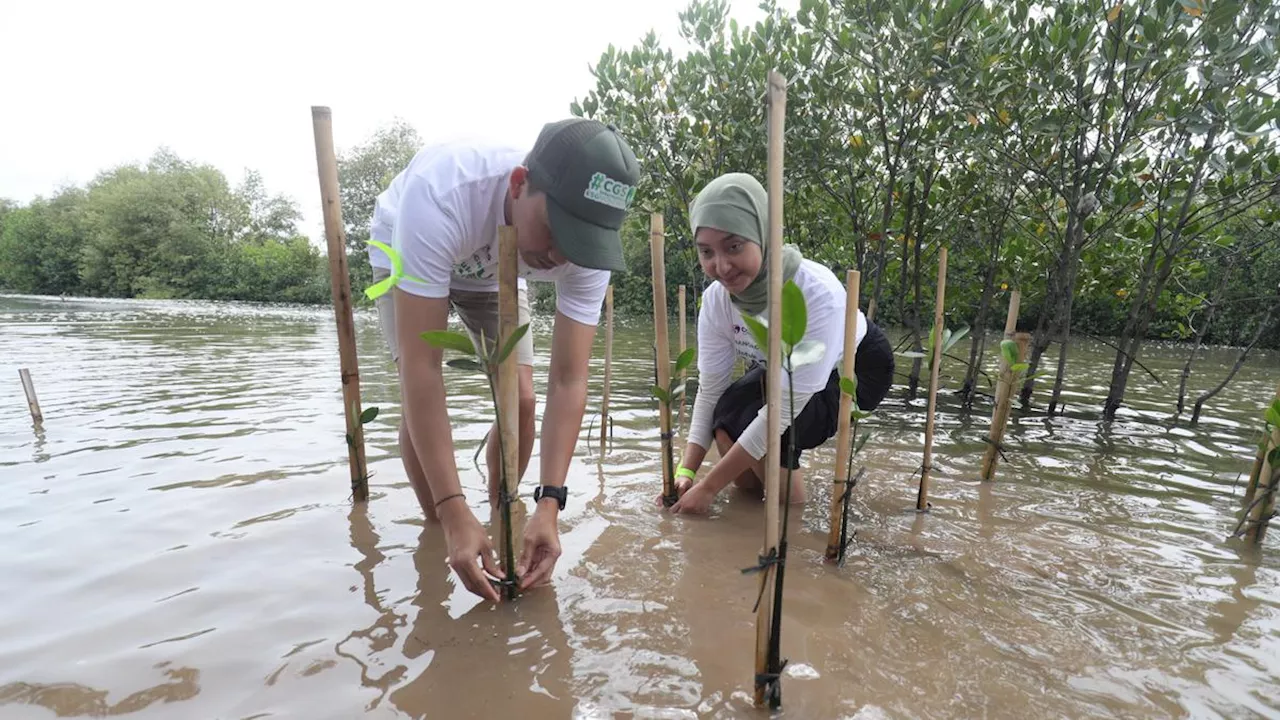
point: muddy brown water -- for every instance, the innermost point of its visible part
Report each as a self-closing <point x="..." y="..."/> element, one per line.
<point x="179" y="543"/>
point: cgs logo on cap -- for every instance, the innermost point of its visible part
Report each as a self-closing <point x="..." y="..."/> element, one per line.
<point x="605" y="190"/>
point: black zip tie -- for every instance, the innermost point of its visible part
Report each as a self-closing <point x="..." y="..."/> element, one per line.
<point x="669" y="435"/>
<point x="772" y="681"/>
<point x="999" y="448"/>
<point x="773" y="558"/>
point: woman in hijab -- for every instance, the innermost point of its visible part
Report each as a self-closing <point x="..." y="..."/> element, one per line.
<point x="729" y="218"/>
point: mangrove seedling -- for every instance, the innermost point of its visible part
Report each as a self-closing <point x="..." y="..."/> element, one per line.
<point x="796" y="352"/>
<point x="675" y="390"/>
<point x="849" y="386"/>
<point x="487" y="364"/>
<point x="1260" y="495"/>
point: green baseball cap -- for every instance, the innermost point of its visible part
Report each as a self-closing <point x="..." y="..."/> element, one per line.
<point x="589" y="175"/>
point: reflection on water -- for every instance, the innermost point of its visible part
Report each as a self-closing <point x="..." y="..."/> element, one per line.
<point x="181" y="544"/>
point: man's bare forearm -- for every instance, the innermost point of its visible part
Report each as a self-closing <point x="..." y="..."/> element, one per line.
<point x="426" y="413"/>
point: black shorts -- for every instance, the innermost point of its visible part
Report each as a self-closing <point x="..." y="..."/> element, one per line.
<point x="818" y="422"/>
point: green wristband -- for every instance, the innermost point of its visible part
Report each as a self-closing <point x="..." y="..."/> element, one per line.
<point x="686" y="472"/>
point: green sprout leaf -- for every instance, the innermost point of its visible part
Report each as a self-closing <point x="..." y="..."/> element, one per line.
<point x="1019" y="367"/>
<point x="849" y="386"/>
<point x="465" y="364"/>
<point x="368" y="415"/>
<point x="450" y="340"/>
<point x="1009" y="349"/>
<point x="951" y="338"/>
<point x="511" y="342"/>
<point x="1273" y="414"/>
<point x="759" y="331"/>
<point x="795" y="316"/>
<point x="685" y="360"/>
<point x="661" y="394"/>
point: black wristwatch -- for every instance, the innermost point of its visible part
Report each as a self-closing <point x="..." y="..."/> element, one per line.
<point x="551" y="491"/>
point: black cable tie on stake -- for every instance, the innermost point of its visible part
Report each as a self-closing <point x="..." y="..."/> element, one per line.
<point x="765" y="562"/>
<point x="999" y="448"/>
<point x="668" y="435"/>
<point x="772" y="681"/>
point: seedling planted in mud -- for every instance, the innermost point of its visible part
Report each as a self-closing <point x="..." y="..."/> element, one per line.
<point x="796" y="352"/>
<point x="675" y="390"/>
<point x="488" y="365"/>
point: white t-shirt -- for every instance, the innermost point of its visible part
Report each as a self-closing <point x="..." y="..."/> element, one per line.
<point x="441" y="214"/>
<point x="723" y="338"/>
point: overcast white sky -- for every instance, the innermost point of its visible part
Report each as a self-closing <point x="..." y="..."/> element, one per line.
<point x="89" y="85"/>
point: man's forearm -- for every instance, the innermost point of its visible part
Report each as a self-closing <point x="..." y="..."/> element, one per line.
<point x="694" y="454"/>
<point x="566" y="400"/>
<point x="426" y="413"/>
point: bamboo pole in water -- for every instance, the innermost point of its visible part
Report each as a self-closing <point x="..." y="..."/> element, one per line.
<point x="657" y="255"/>
<point x="1004" y="393"/>
<point x="340" y="289"/>
<point x="33" y="404"/>
<point x="1263" y="485"/>
<point x="684" y="374"/>
<point x="922" y="497"/>
<point x="608" y="366"/>
<point x="844" y="443"/>
<point x="766" y="662"/>
<point x="508" y="391"/>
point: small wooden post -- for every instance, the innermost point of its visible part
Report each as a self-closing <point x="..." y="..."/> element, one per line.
<point x="1263" y="484"/>
<point x="766" y="660"/>
<point x="33" y="404"/>
<point x="844" y="443"/>
<point x="684" y="374"/>
<point x="922" y="497"/>
<point x="657" y="254"/>
<point x="340" y="289"/>
<point x="1004" y="393"/>
<point x="608" y="367"/>
<point x="508" y="387"/>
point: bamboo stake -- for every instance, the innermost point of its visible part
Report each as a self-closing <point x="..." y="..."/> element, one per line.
<point x="657" y="254"/>
<point x="1264" y="487"/>
<point x="340" y="289"/>
<point x="608" y="365"/>
<point x="766" y="651"/>
<point x="684" y="374"/>
<point x="508" y="391"/>
<point x="844" y="442"/>
<point x="33" y="404"/>
<point x="1004" y="393"/>
<point x="922" y="498"/>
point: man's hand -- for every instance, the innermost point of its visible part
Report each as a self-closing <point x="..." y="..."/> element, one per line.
<point x="695" y="500"/>
<point x="541" y="547"/>
<point x="465" y="538"/>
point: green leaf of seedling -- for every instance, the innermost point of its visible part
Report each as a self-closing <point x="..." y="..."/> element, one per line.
<point x="1273" y="416"/>
<point x="1009" y="349"/>
<point x="954" y="337"/>
<point x="465" y="364"/>
<point x="849" y="386"/>
<point x="1274" y="458"/>
<point x="911" y="354"/>
<point x="759" y="331"/>
<point x="368" y="415"/>
<point x="795" y="316"/>
<point x="676" y="392"/>
<point x="807" y="352"/>
<point x="685" y="360"/>
<point x="861" y="441"/>
<point x="661" y="394"/>
<point x="860" y="414"/>
<point x="511" y="342"/>
<point x="450" y="340"/>
<point x="1019" y="367"/>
